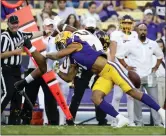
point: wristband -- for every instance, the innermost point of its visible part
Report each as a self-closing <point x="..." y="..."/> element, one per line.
<point x="32" y="49"/>
<point x="29" y="78"/>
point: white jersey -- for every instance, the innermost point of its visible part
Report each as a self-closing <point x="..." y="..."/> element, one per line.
<point x="120" y="38"/>
<point x="91" y="39"/>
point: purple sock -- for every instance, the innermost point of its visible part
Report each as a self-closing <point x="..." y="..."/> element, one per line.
<point x="108" y="108"/>
<point x="146" y="99"/>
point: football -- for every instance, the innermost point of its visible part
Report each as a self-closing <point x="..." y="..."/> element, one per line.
<point x="135" y="78"/>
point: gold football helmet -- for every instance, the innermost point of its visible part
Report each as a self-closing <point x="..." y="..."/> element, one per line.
<point x="61" y="38"/>
<point x="126" y="24"/>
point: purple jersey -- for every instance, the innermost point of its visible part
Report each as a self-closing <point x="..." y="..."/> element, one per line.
<point x="87" y="56"/>
<point x="160" y="9"/>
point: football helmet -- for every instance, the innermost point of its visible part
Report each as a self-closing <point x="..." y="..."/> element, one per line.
<point x="126" y="24"/>
<point x="104" y="38"/>
<point x="61" y="38"/>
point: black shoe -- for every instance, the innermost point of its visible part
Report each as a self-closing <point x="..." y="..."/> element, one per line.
<point x="103" y="123"/>
<point x="56" y="123"/>
<point x="26" y="116"/>
<point x="70" y="122"/>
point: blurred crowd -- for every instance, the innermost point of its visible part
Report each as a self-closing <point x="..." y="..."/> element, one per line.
<point x="100" y="11"/>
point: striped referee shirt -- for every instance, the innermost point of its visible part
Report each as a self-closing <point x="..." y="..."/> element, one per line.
<point x="10" y="42"/>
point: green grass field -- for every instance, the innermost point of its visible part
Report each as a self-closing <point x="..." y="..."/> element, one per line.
<point x="78" y="130"/>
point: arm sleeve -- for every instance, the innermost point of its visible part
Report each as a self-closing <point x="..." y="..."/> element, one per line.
<point x="29" y="34"/>
<point x="4" y="43"/>
<point x="157" y="51"/>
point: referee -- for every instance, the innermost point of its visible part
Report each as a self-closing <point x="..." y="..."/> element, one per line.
<point x="11" y="48"/>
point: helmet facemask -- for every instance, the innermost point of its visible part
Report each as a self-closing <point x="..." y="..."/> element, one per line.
<point x="126" y="24"/>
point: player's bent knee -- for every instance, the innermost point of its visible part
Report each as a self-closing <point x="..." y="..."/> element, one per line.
<point x="97" y="97"/>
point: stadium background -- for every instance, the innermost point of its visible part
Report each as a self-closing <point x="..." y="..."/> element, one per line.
<point x="86" y="109"/>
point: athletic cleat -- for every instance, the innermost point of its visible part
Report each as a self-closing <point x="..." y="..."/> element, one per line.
<point x="132" y="124"/>
<point x="123" y="122"/>
<point x="70" y="122"/>
<point x="114" y="123"/>
<point x="103" y="123"/>
<point x="158" y="125"/>
<point x="162" y="114"/>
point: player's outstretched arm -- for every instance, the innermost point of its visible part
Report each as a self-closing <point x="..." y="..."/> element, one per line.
<point x="41" y="62"/>
<point x="64" y="52"/>
<point x="38" y="34"/>
<point x="68" y="77"/>
<point x="40" y="59"/>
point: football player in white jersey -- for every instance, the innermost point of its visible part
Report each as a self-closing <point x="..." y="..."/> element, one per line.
<point x="118" y="38"/>
<point x="62" y="65"/>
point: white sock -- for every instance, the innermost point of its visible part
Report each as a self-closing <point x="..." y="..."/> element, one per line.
<point x="160" y="111"/>
<point x="117" y="95"/>
<point x="29" y="78"/>
<point x="130" y="108"/>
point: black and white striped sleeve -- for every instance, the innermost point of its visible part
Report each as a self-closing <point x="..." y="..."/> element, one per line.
<point x="4" y="43"/>
<point x="29" y="34"/>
